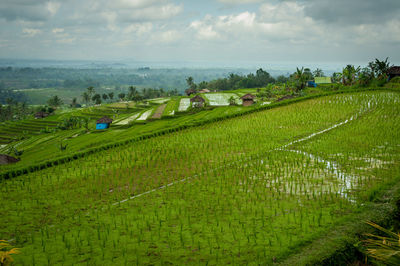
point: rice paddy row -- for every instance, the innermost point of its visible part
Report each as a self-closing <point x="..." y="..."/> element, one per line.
<point x="255" y="194"/>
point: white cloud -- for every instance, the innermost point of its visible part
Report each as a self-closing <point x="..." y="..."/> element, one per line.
<point x="170" y="36"/>
<point x="285" y="11"/>
<point x="67" y="40"/>
<point x="57" y="30"/>
<point x="138" y="28"/>
<point x="53" y="7"/>
<point x="29" y="32"/>
<point x="204" y="31"/>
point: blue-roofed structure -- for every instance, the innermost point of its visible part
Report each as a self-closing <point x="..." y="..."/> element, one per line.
<point x="103" y="123"/>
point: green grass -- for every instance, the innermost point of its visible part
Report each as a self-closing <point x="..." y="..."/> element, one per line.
<point x="172" y="107"/>
<point x="246" y="201"/>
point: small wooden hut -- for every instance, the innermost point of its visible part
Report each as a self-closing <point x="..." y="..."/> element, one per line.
<point x="41" y="114"/>
<point x="393" y="72"/>
<point x="6" y="159"/>
<point x="103" y="123"/>
<point x="248" y="99"/>
<point x="197" y="101"/>
<point x="204" y="91"/>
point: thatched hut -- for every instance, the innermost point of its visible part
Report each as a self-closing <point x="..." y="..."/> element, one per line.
<point x="197" y="101"/>
<point x="248" y="99"/>
<point x="6" y="159"/>
<point x="103" y="123"/>
<point x="41" y="114"/>
<point x="393" y="72"/>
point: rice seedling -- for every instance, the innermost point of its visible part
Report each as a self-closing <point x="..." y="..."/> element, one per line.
<point x="252" y="188"/>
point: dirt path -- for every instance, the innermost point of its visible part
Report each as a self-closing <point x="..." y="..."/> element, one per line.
<point x="159" y="111"/>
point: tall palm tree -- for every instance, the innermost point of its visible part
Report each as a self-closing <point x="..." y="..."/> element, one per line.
<point x="349" y="74"/>
<point x="86" y="97"/>
<point x="301" y="78"/>
<point x="318" y="73"/>
<point x="379" y="68"/>
<point x="336" y="77"/>
<point x="90" y="91"/>
<point x="190" y="83"/>
<point x="74" y="102"/>
<point x="111" y="95"/>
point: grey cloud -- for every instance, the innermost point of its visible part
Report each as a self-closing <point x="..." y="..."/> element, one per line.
<point x="352" y="11"/>
<point x="29" y="10"/>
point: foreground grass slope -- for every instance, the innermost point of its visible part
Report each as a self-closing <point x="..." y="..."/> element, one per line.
<point x="235" y="191"/>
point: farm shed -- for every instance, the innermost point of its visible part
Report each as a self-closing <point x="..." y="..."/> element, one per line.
<point x="311" y="84"/>
<point x="204" y="91"/>
<point x="103" y="123"/>
<point x="6" y="159"/>
<point x="323" y="80"/>
<point x="393" y="72"/>
<point x="41" y="115"/>
<point x="248" y="99"/>
<point x="197" y="101"/>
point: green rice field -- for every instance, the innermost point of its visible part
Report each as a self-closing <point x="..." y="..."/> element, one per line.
<point x="247" y="190"/>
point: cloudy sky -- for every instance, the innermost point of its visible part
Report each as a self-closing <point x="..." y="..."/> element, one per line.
<point x="207" y="30"/>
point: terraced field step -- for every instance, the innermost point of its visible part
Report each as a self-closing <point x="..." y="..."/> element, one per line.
<point x="5" y="140"/>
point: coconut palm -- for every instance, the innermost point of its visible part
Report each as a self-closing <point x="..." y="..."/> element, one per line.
<point x="318" y="73"/>
<point x="379" y="68"/>
<point x="111" y="95"/>
<point x="74" y="102"/>
<point x="336" y="77"/>
<point x="190" y="83"/>
<point x="86" y="97"/>
<point x="301" y="78"/>
<point x="90" y="91"/>
<point x="350" y="74"/>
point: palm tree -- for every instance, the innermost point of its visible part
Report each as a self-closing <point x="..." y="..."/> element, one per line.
<point x="86" y="97"/>
<point x="349" y="74"/>
<point x="74" y="102"/>
<point x="318" y="73"/>
<point x="121" y="96"/>
<point x="132" y="93"/>
<point x="190" y="83"/>
<point x="90" y="91"/>
<point x="379" y="68"/>
<point x="111" y="95"/>
<point x="96" y="98"/>
<point x="336" y="77"/>
<point x="301" y="78"/>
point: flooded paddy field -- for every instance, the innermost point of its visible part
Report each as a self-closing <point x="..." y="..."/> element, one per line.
<point x="248" y="189"/>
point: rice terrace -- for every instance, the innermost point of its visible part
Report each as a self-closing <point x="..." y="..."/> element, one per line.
<point x="256" y="188"/>
<point x="219" y="132"/>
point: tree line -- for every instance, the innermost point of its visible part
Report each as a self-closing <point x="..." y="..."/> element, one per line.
<point x="375" y="73"/>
